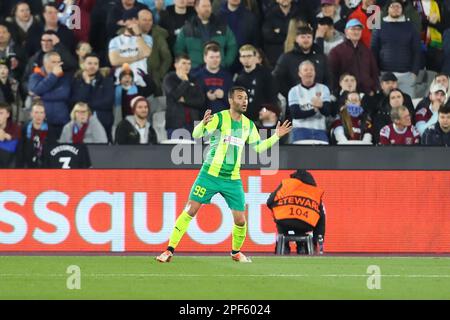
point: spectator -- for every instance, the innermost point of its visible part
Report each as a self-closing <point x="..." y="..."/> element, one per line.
<point x="309" y="104"/>
<point x="83" y="49"/>
<point x="409" y="12"/>
<point x="125" y="91"/>
<point x="10" y="93"/>
<point x="174" y="18"/>
<point x="49" y="42"/>
<point x="294" y="24"/>
<point x="442" y="79"/>
<point x="241" y="21"/>
<point x="97" y="90"/>
<point x="396" y="47"/>
<point x="332" y="9"/>
<point x="184" y="98"/>
<point x="11" y="52"/>
<point x="375" y="103"/>
<point x="433" y="26"/>
<point x="268" y="118"/>
<point x="275" y="28"/>
<point x="353" y="123"/>
<point x="156" y="6"/>
<point x="258" y="81"/>
<point x="35" y="134"/>
<point x="8" y="6"/>
<point x="160" y="59"/>
<point x="400" y="131"/>
<point x="116" y="14"/>
<point x="439" y="133"/>
<point x="382" y="115"/>
<point x="51" y="22"/>
<point x="53" y="87"/>
<point x="201" y="29"/>
<point x="214" y="81"/>
<point x="347" y="83"/>
<point x="354" y="57"/>
<point x="285" y="74"/>
<point x="332" y="37"/>
<point x="131" y="47"/>
<point x="428" y="116"/>
<point x="136" y="129"/>
<point x="362" y="14"/>
<point x="85" y="7"/>
<point x="261" y="59"/>
<point x="99" y="34"/>
<point x="23" y="24"/>
<point x="84" y="127"/>
<point x="9" y="136"/>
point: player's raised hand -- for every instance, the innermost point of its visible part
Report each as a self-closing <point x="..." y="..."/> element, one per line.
<point x="283" y="129"/>
<point x="207" y="117"/>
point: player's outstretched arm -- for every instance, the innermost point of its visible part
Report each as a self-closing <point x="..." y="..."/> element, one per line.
<point x="208" y="124"/>
<point x="262" y="145"/>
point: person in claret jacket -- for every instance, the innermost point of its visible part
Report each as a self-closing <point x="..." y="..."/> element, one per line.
<point x="354" y="57"/>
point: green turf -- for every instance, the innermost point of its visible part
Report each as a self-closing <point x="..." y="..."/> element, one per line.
<point x="220" y="278"/>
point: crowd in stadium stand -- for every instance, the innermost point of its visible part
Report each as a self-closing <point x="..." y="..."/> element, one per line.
<point x="343" y="71"/>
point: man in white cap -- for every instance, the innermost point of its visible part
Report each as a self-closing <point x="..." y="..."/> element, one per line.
<point x="427" y="116"/>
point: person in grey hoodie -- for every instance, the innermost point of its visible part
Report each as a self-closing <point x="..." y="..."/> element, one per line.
<point x="136" y="129"/>
<point x="84" y="127"/>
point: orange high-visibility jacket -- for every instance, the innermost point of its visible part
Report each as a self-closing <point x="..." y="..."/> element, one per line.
<point x="297" y="200"/>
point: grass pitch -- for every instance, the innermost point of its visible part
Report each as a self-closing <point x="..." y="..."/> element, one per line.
<point x="191" y="278"/>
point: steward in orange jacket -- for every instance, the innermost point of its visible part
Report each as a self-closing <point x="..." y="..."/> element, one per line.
<point x="297" y="207"/>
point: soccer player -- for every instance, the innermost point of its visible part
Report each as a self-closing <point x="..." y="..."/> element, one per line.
<point x="229" y="130"/>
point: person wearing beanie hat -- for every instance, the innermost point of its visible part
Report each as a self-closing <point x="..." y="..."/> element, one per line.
<point x="396" y="46"/>
<point x="269" y="116"/>
<point x="297" y="206"/>
<point x="136" y="128"/>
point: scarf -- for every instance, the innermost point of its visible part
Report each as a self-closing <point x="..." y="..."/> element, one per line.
<point x="431" y="36"/>
<point x="25" y="26"/>
<point x="38" y="137"/>
<point x="78" y="133"/>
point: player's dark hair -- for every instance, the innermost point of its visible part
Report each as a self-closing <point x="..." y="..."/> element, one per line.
<point x="234" y="89"/>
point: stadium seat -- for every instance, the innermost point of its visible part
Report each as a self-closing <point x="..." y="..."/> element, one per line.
<point x="283" y="238"/>
<point x="309" y="142"/>
<point x="177" y="141"/>
<point x="159" y="124"/>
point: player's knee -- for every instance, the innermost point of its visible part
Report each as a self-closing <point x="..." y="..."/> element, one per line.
<point x="192" y="208"/>
<point x="240" y="221"/>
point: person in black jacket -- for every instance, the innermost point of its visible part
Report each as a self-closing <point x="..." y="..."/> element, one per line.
<point x="258" y="81"/>
<point x="184" y="97"/>
<point x="439" y="133"/>
<point x="35" y="135"/>
<point x="286" y="70"/>
<point x="51" y="22"/>
<point x="136" y="129"/>
<point x="97" y="90"/>
<point x="396" y="47"/>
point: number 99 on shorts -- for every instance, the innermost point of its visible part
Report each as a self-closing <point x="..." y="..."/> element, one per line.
<point x="199" y="191"/>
